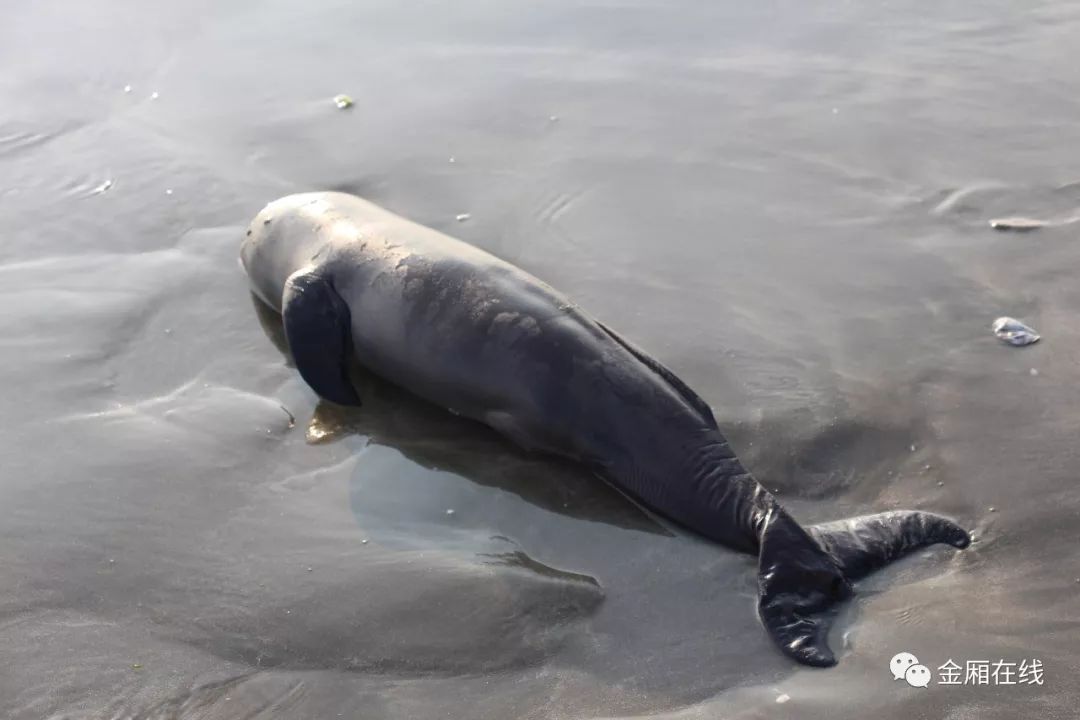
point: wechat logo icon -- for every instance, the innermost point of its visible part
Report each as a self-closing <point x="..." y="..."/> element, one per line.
<point x="905" y="666"/>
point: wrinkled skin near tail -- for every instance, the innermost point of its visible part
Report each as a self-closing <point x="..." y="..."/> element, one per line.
<point x="805" y="572"/>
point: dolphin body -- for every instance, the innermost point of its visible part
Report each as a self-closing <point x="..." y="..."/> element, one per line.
<point x="483" y="338"/>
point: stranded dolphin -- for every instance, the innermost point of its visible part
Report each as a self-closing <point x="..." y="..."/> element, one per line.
<point x="481" y="337"/>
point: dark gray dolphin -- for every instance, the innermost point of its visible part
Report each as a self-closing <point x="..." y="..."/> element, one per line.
<point x="486" y="340"/>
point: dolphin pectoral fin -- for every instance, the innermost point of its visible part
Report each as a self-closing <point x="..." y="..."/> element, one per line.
<point x="318" y="327"/>
<point x="799" y="585"/>
<point x="864" y="544"/>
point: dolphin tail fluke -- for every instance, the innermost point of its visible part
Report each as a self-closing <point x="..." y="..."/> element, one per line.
<point x="864" y="544"/>
<point x="805" y="573"/>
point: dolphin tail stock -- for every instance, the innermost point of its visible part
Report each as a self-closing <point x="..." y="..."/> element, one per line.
<point x="804" y="573"/>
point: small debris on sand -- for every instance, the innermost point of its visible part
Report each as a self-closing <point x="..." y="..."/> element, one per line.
<point x="1017" y="224"/>
<point x="783" y="698"/>
<point x="102" y="187"/>
<point x="463" y="217"/>
<point x="1012" y="331"/>
<point x="343" y="102"/>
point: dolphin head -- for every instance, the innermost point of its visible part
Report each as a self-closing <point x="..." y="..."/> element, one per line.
<point x="281" y="239"/>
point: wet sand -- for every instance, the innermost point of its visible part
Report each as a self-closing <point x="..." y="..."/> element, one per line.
<point x="789" y="206"/>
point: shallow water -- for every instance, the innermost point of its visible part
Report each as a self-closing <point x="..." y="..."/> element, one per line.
<point x="788" y="204"/>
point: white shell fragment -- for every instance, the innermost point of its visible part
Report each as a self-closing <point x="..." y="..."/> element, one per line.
<point x="1014" y="332"/>
<point x="1017" y="224"/>
<point x="343" y="101"/>
<point x="463" y="217"/>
